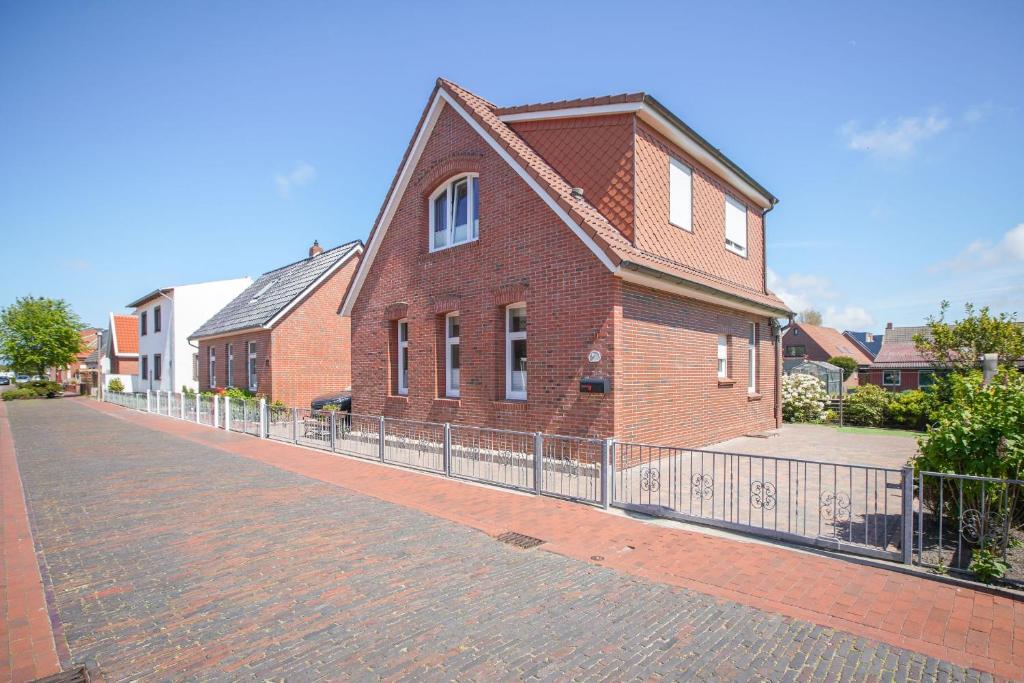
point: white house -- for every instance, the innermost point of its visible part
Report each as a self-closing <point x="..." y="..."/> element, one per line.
<point x="167" y="316"/>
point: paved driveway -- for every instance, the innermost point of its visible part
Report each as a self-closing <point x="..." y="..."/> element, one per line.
<point x="171" y="559"/>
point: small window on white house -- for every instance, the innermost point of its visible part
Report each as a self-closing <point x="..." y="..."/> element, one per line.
<point x="451" y="355"/>
<point x="735" y="226"/>
<point x="680" y="195"/>
<point x="213" y="367"/>
<point x="230" y="355"/>
<point x="752" y="358"/>
<point x="403" y="357"/>
<point x="251" y="367"/>
<point x="723" y="356"/>
<point x="455" y="212"/>
<point x="515" y="352"/>
<point x="145" y="368"/>
<point x="158" y="364"/>
<point x="891" y="378"/>
<point x="195" y="367"/>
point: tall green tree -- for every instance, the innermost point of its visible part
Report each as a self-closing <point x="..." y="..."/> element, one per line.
<point x="811" y="317"/>
<point x="959" y="345"/>
<point x="848" y="365"/>
<point x="38" y="333"/>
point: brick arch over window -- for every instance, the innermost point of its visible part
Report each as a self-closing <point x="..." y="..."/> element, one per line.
<point x="449" y="167"/>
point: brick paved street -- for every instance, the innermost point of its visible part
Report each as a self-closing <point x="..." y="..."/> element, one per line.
<point x="170" y="558"/>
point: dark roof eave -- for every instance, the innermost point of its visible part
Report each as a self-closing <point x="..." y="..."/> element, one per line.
<point x="708" y="147"/>
<point x="152" y="295"/>
<point x="781" y="312"/>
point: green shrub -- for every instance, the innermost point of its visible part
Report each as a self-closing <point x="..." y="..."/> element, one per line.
<point x="236" y="392"/>
<point x="908" y="409"/>
<point x="987" y="565"/>
<point x="848" y="365"/>
<point x="22" y="393"/>
<point x="115" y="385"/>
<point x="866" y="406"/>
<point x="803" y="398"/>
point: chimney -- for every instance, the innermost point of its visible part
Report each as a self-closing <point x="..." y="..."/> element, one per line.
<point x="315" y="249"/>
<point x="888" y="326"/>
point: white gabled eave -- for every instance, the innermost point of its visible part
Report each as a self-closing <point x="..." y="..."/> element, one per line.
<point x="358" y="249"/>
<point x="442" y="98"/>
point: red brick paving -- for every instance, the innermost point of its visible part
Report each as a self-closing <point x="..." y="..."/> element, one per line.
<point x="961" y="625"/>
<point x="28" y="650"/>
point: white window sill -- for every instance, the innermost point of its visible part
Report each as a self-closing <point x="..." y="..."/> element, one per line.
<point x="736" y="250"/>
<point x="434" y="250"/>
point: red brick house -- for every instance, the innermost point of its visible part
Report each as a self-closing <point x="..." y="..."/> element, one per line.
<point x="605" y="236"/>
<point x="281" y="337"/>
<point x="899" y="366"/>
<point x="814" y="342"/>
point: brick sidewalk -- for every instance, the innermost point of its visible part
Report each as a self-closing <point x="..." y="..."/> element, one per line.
<point x="28" y="650"/>
<point x="964" y="626"/>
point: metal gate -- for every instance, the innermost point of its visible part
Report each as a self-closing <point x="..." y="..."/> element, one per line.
<point x="852" y="508"/>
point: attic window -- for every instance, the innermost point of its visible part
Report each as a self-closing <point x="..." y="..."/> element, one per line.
<point x="263" y="290"/>
<point x="454" y="211"/>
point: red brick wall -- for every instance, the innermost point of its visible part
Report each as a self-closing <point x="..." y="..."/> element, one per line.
<point x="704" y="248"/>
<point x="241" y="377"/>
<point x="595" y="153"/>
<point x="909" y="379"/>
<point x="312" y="345"/>
<point x="524" y="253"/>
<point x="667" y="386"/>
<point x="124" y="366"/>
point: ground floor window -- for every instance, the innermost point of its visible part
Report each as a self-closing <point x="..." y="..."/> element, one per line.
<point x="452" y="362"/>
<point x="251" y="366"/>
<point x="723" y="356"/>
<point x="515" y="352"/>
<point x="402" y="329"/>
<point x="230" y="352"/>
<point x="213" y="366"/>
<point x="145" y="368"/>
<point x="891" y="378"/>
<point x="752" y="358"/>
<point x="796" y="351"/>
<point x="158" y="363"/>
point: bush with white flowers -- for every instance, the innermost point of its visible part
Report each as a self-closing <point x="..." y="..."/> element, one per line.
<point x="803" y="398"/>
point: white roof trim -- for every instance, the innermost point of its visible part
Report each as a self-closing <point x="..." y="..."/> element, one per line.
<point x="681" y="289"/>
<point x="358" y="249"/>
<point x="440" y="99"/>
<point x="574" y="112"/>
<point x="232" y="333"/>
<point x="698" y="152"/>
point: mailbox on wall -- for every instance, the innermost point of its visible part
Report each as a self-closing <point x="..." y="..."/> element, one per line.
<point x="595" y="385"/>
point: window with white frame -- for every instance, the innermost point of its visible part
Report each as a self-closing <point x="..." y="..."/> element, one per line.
<point x="680" y="195"/>
<point x="230" y="355"/>
<point x="451" y="355"/>
<point x="403" y="356"/>
<point x="723" y="356"/>
<point x="752" y="358"/>
<point x="213" y="366"/>
<point x="892" y="378"/>
<point x="195" y="367"/>
<point x="455" y="212"/>
<point x="735" y="226"/>
<point x="515" y="352"/>
<point x="251" y="367"/>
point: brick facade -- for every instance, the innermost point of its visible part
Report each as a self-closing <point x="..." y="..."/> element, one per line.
<point x="909" y="379"/>
<point x="658" y="349"/>
<point x="306" y="354"/>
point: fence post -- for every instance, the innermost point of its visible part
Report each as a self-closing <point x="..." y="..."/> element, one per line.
<point x="295" y="425"/>
<point x="538" y="461"/>
<point x="148" y="410"/>
<point x="216" y="411"/>
<point x="227" y="413"/>
<point x="380" y="439"/>
<point x="333" y="425"/>
<point x="607" y="448"/>
<point x="447" y="450"/>
<point x="157" y="398"/>
<point x="263" y="418"/>
<point x="907" y="546"/>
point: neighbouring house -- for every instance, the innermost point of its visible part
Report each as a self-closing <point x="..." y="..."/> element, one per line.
<point x="869" y="342"/>
<point x="119" y="351"/>
<point x="899" y="366"/>
<point x="586" y="267"/>
<point x="166" y="316"/>
<point x="282" y="336"/>
<point x="83" y="369"/>
<point x="802" y="342"/>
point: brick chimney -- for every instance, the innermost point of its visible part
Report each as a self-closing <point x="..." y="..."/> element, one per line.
<point x="888" y="326"/>
<point x="315" y="249"/>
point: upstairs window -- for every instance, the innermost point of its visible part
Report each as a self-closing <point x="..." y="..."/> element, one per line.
<point x="452" y="363"/>
<point x="156" y="319"/>
<point x="142" y="324"/>
<point x="723" y="356"/>
<point x="680" y="195"/>
<point x="455" y="212"/>
<point x="735" y="226"/>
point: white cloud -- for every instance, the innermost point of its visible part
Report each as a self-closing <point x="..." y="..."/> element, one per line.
<point x="897" y="138"/>
<point x="1008" y="251"/>
<point x="848" y="318"/>
<point x="799" y="291"/>
<point x="977" y="113"/>
<point x="302" y="174"/>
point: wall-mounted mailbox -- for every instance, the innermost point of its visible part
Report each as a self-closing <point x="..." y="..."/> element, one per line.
<point x="595" y="385"/>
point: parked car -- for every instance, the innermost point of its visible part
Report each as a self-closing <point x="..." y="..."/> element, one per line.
<point x="5" y="380"/>
<point x="21" y="378"/>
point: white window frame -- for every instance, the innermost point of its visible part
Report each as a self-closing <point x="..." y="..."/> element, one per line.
<point x="403" y="354"/>
<point x="211" y="354"/>
<point x="899" y="378"/>
<point x="195" y="366"/>
<point x="473" y="226"/>
<point x="723" y="356"/>
<point x="510" y="337"/>
<point x="251" y="371"/>
<point x="452" y="389"/>
<point x="752" y="359"/>
<point x="735" y="247"/>
<point x="231" y="363"/>
<point x="680" y="197"/>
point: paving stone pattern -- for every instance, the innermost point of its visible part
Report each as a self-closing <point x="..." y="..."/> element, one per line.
<point x="170" y="559"/>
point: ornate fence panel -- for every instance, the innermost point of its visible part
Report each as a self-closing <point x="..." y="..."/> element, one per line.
<point x="571" y="468"/>
<point x="494" y="456"/>
<point x="959" y="517"/>
<point x="852" y="508"/>
<point x="415" y="444"/>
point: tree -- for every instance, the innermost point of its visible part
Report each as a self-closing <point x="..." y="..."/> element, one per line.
<point x="848" y="365"/>
<point x="38" y="333"/>
<point x="960" y="345"/>
<point x="810" y="316"/>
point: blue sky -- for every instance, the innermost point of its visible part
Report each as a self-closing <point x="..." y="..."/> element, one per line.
<point x="146" y="144"/>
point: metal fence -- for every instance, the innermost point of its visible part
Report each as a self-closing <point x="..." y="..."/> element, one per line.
<point x="494" y="456"/>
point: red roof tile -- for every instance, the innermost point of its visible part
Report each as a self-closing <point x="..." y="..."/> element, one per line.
<point x="125" y="329"/>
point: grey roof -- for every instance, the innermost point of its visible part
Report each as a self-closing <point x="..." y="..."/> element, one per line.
<point x="271" y="292"/>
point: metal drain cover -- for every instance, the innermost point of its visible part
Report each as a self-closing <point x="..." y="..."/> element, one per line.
<point x="519" y="540"/>
<point x="77" y="674"/>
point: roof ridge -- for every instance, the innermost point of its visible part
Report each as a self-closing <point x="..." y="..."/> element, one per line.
<point x="309" y="258"/>
<point x="595" y="100"/>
